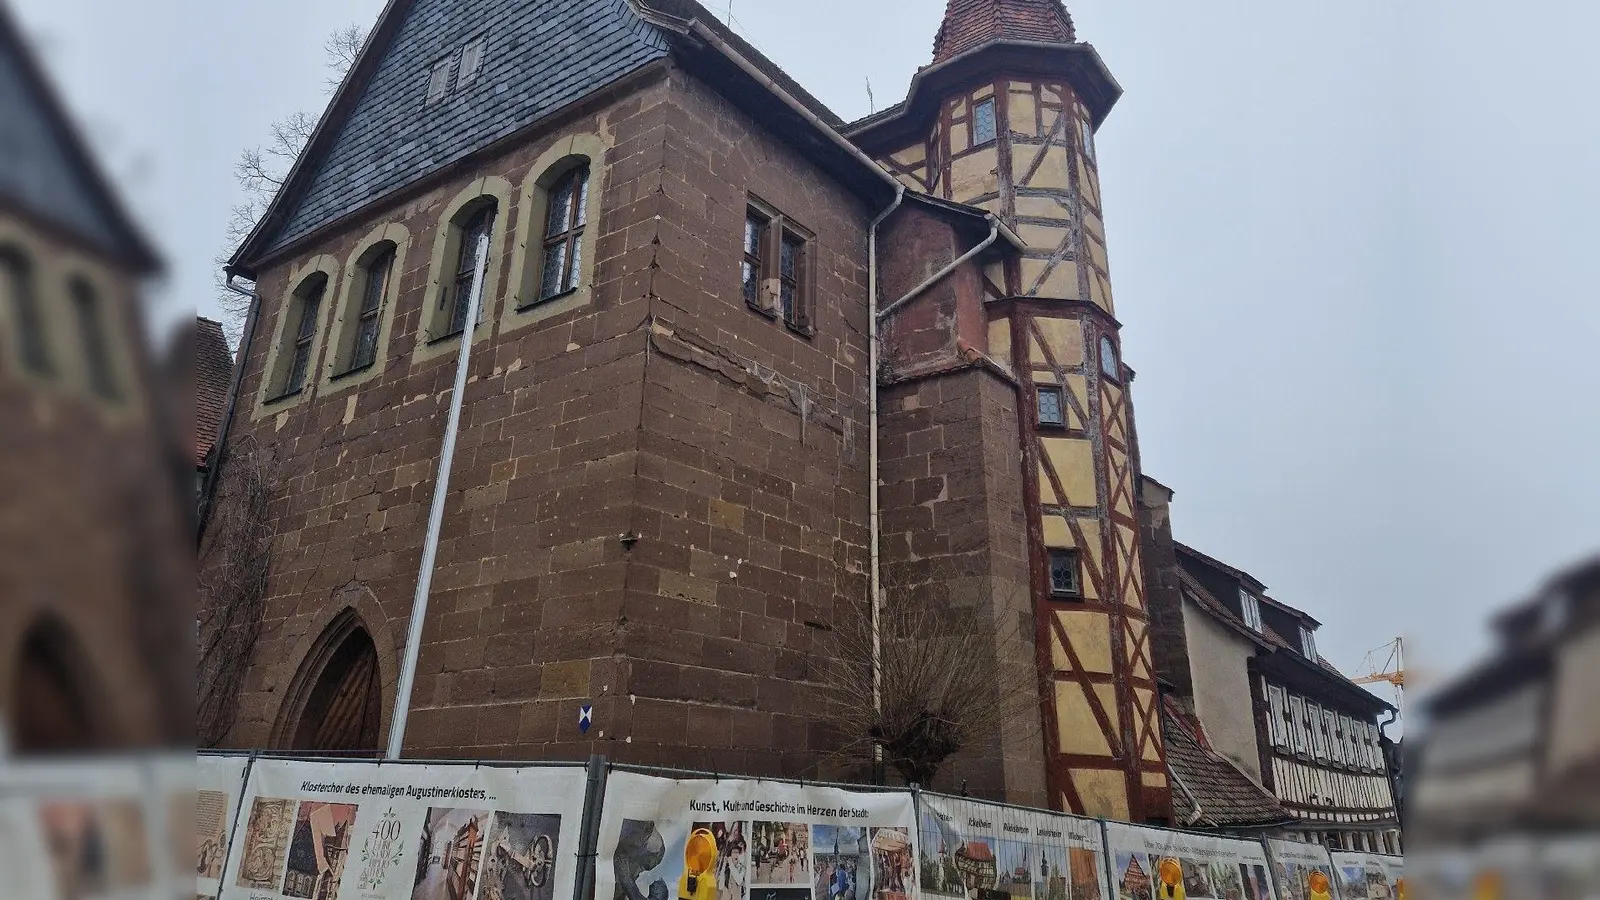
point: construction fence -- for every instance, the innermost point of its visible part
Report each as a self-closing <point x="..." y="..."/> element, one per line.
<point x="273" y="828"/>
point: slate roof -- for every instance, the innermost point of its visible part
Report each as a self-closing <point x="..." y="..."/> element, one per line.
<point x="379" y="134"/>
<point x="46" y="168"/>
<point x="213" y="370"/>
<point x="969" y="24"/>
<point x="1244" y="576"/>
<point x="1226" y="796"/>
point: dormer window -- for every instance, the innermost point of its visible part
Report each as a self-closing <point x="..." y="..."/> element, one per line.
<point x="1308" y="643"/>
<point x="1250" y="606"/>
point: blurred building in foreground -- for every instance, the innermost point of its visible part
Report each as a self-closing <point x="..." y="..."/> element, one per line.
<point x="95" y="579"/>
<point x="1514" y="745"/>
<point x="1283" y="743"/>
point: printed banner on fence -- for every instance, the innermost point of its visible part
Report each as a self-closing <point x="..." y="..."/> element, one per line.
<point x="1368" y="876"/>
<point x="969" y="850"/>
<point x="1155" y="864"/>
<point x="85" y="828"/>
<point x="364" y="831"/>
<point x="737" y="839"/>
<point x="1304" y="871"/>
<point x="216" y="786"/>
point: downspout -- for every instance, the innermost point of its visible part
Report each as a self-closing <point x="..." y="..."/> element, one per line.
<point x="875" y="597"/>
<point x="219" y="450"/>
<point x="1199" y="811"/>
<point x="875" y="590"/>
<point x="935" y="278"/>
<point x="441" y="487"/>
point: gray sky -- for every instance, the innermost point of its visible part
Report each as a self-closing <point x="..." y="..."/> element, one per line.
<point x="1351" y="243"/>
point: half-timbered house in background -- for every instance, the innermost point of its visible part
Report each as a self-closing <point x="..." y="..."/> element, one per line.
<point x="1245" y="666"/>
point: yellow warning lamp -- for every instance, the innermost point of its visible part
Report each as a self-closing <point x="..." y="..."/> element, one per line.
<point x="1318" y="882"/>
<point x="1169" y="880"/>
<point x="699" y="857"/>
<point x="1488" y="886"/>
<point x="1399" y="889"/>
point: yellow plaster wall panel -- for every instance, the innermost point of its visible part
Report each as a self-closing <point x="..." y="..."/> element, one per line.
<point x="974" y="175"/>
<point x="1065" y="337"/>
<point x="1080" y="389"/>
<point x="1000" y="340"/>
<point x="1090" y="528"/>
<point x="1094" y="227"/>
<point x="1103" y="286"/>
<point x="1042" y="237"/>
<point x="1049" y="94"/>
<point x="1038" y="207"/>
<point x="996" y="271"/>
<point x="1021" y="87"/>
<point x="1097" y="255"/>
<point x="1052" y="172"/>
<point x="1078" y="731"/>
<point x="1061" y="283"/>
<point x="982" y="92"/>
<point x="958" y="137"/>
<point x="916" y="154"/>
<point x="910" y="181"/>
<point x="1091" y="638"/>
<point x="1045" y="377"/>
<point x="1153" y="779"/>
<point x="1030" y="270"/>
<point x="1088" y="185"/>
<point x="1112" y="393"/>
<point x="1097" y="294"/>
<point x="1024" y="114"/>
<point x="1103" y="792"/>
<point x="1057" y="535"/>
<point x="1058" y="655"/>
<point x="1073" y="461"/>
<point x="1108" y="702"/>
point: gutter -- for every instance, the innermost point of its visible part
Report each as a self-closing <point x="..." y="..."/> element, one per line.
<point x="219" y="450"/>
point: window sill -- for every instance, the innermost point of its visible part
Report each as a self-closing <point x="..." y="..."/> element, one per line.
<point x="339" y="376"/>
<point x="1066" y="597"/>
<point x="452" y="335"/>
<point x="768" y="313"/>
<point x="805" y="331"/>
<point x="544" y="300"/>
<point x="1053" y="426"/>
<point x="286" y="395"/>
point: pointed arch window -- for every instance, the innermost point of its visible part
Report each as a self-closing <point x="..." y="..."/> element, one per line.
<point x="16" y="278"/>
<point x="565" y="219"/>
<point x="91" y="332"/>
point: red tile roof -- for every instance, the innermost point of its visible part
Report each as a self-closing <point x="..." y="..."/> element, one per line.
<point x="213" y="371"/>
<point x="1225" y="795"/>
<point x="969" y="24"/>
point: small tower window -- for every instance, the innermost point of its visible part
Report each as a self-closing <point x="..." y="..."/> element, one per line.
<point x="1088" y="138"/>
<point x="1050" y="411"/>
<point x="1064" y="580"/>
<point x="1108" y="359"/>
<point x="983" y="128"/>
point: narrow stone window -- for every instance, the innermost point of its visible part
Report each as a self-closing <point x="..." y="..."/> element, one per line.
<point x="472" y="224"/>
<point x="306" y="303"/>
<point x="91" y="332"/>
<point x="755" y="239"/>
<point x="1050" y="409"/>
<point x="983" y="123"/>
<point x="1064" y="575"/>
<point x="17" y="283"/>
<point x="563" y="234"/>
<point x="375" y="281"/>
<point x="777" y="273"/>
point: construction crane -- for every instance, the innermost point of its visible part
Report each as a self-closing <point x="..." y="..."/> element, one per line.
<point x="1392" y="669"/>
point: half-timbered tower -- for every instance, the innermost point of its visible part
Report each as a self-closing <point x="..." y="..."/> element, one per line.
<point x="1004" y="120"/>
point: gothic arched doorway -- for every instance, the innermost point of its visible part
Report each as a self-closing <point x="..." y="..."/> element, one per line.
<point x="51" y="709"/>
<point x="341" y="708"/>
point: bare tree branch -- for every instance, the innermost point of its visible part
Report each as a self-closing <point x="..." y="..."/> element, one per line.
<point x="947" y="685"/>
<point x="262" y="170"/>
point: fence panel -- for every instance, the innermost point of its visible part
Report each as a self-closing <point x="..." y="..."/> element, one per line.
<point x="1367" y="876"/>
<point x="973" y="850"/>
<point x="1301" y="871"/>
<point x="1159" y="864"/>
<point x="744" y="839"/>
<point x="316" y="830"/>
<point x="218" y="784"/>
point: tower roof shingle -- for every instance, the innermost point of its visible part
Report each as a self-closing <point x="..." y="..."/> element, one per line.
<point x="970" y="24"/>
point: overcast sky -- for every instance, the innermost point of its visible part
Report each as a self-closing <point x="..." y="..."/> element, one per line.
<point x="1352" y="243"/>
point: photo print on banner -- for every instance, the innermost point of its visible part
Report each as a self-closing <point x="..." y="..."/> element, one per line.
<point x="1304" y="871"/>
<point x="1368" y="876"/>
<point x="217" y="783"/>
<point x="361" y="831"/>
<point x="1152" y="864"/>
<point x="979" y="851"/>
<point x="734" y="839"/>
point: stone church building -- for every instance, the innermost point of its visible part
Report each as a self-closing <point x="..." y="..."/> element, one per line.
<point x="663" y="485"/>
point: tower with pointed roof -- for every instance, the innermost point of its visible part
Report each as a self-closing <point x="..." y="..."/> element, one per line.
<point x="1004" y="119"/>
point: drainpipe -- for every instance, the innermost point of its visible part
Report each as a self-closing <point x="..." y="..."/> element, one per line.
<point x="876" y="597"/>
<point x="1199" y="811"/>
<point x="994" y="234"/>
<point x="219" y="450"/>
<point x="441" y="486"/>
<point x="876" y="588"/>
